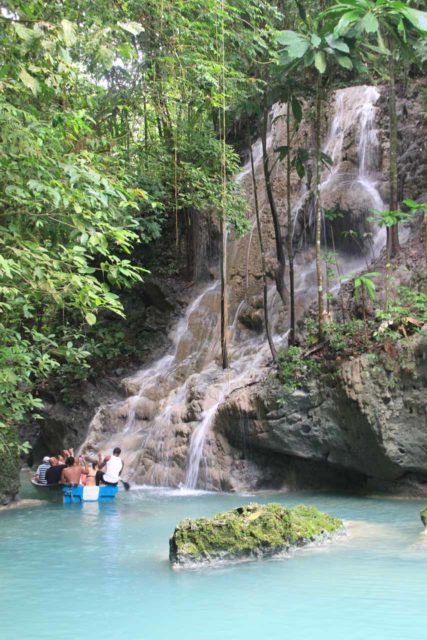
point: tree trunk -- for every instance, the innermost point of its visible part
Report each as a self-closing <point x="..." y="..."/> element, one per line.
<point x="145" y="131"/>
<point x="223" y="220"/>
<point x="291" y="338"/>
<point x="262" y="251"/>
<point x="224" y="305"/>
<point x="318" y="213"/>
<point x="393" y="232"/>
<point x="281" y="268"/>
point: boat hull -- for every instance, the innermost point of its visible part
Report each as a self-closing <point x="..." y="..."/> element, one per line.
<point x="75" y="495"/>
<point x="78" y="494"/>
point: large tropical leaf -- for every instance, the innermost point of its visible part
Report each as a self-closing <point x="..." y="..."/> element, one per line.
<point x="417" y="18"/>
<point x="370" y="23"/>
<point x="296" y="44"/>
<point x="346" y="21"/>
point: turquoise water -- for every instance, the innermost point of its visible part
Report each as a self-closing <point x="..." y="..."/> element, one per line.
<point x="95" y="570"/>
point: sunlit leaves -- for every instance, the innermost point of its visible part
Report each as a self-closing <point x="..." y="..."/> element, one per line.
<point x="133" y="28"/>
<point x="29" y="81"/>
<point x="69" y="32"/>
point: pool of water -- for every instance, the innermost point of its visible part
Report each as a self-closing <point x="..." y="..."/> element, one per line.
<point x="102" y="570"/>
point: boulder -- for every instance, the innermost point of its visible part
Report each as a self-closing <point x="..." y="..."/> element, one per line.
<point x="248" y="532"/>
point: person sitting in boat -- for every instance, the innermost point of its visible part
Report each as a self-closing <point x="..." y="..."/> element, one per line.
<point x="40" y="475"/>
<point x="53" y="474"/>
<point x="113" y="468"/>
<point x="72" y="472"/>
<point x="91" y="476"/>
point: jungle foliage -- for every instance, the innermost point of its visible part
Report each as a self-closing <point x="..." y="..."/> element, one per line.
<point x="119" y="123"/>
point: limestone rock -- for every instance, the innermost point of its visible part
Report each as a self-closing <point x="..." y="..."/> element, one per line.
<point x="368" y="417"/>
<point x="247" y="532"/>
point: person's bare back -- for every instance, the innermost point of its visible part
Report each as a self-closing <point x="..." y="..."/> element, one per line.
<point x="71" y="474"/>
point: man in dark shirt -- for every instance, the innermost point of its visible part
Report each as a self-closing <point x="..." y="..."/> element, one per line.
<point x="53" y="474"/>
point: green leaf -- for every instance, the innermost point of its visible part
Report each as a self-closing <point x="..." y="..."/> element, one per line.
<point x="90" y="318"/>
<point x="296" y="109"/>
<point x="282" y="151"/>
<point x="320" y="61"/>
<point x="370" y="23"/>
<point x="381" y="43"/>
<point x="69" y="32"/>
<point x="23" y="32"/>
<point x="337" y="44"/>
<point x="295" y="43"/>
<point x="346" y="20"/>
<point x="315" y="40"/>
<point x="417" y="18"/>
<point x="299" y="167"/>
<point x="132" y="27"/>
<point x="29" y="81"/>
<point x="345" y="62"/>
<point x="325" y="159"/>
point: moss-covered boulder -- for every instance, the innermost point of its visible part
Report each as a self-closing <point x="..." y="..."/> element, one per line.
<point x="248" y="532"/>
<point x="423" y="516"/>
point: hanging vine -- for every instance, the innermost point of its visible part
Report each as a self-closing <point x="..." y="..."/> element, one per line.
<point x="223" y="221"/>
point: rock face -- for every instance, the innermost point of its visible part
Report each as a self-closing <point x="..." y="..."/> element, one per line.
<point x="367" y="418"/>
<point x="248" y="532"/>
<point x="9" y="476"/>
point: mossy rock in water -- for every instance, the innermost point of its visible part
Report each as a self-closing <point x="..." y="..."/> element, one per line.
<point x="423" y="516"/>
<point x="247" y="532"/>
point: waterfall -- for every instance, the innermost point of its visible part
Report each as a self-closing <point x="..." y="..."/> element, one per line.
<point x="166" y="425"/>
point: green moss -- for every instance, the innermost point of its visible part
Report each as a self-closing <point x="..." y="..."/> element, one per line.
<point x="251" y="530"/>
<point x="9" y="475"/>
<point x="423" y="516"/>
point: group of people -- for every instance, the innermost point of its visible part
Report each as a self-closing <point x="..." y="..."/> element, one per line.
<point x="66" y="469"/>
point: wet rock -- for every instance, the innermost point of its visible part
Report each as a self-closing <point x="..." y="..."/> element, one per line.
<point x="423" y="516"/>
<point x="252" y="318"/>
<point x="248" y="532"/>
<point x="145" y="409"/>
<point x="369" y="417"/>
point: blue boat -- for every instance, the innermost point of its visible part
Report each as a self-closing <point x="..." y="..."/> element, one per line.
<point x="68" y="494"/>
<point x="79" y="493"/>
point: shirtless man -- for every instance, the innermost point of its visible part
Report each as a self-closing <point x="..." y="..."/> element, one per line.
<point x="72" y="472"/>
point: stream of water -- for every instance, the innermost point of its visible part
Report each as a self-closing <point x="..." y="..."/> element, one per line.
<point x="101" y="570"/>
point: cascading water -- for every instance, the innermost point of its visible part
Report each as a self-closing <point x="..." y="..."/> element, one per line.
<point x="166" y="425"/>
